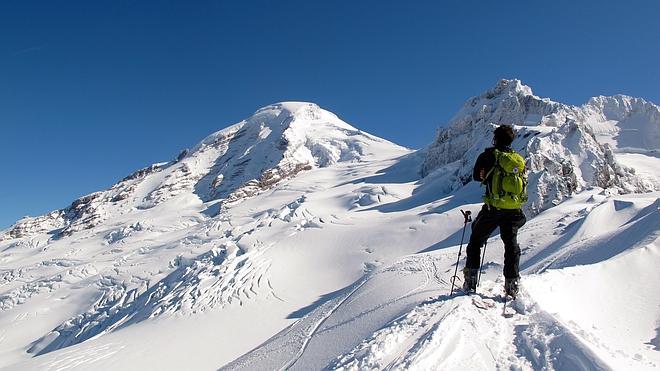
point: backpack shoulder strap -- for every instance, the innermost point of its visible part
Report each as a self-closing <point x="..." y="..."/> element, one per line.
<point x="496" y="154"/>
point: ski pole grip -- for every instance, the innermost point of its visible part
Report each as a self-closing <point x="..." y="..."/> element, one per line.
<point x="467" y="215"/>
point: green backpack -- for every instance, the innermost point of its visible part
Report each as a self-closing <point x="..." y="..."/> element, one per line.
<point x="508" y="189"/>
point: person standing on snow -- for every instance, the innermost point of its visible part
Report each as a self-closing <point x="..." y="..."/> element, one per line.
<point x="502" y="171"/>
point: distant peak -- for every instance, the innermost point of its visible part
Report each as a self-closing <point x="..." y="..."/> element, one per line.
<point x="618" y="99"/>
<point x="511" y="86"/>
<point x="289" y="108"/>
<point x="619" y="107"/>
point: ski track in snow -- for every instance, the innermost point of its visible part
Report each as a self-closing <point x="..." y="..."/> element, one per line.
<point x="77" y="359"/>
<point x="318" y="324"/>
<point x="441" y="333"/>
<point x="451" y="333"/>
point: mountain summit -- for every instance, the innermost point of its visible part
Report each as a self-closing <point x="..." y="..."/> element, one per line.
<point x="276" y="143"/>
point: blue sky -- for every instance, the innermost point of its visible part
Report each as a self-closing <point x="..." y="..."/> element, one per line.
<point x="93" y="90"/>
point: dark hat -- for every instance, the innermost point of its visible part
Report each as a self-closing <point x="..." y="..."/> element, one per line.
<point x="504" y="135"/>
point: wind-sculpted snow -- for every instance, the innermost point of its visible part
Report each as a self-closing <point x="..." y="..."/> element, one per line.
<point x="231" y="272"/>
<point x="216" y="278"/>
<point x="123" y="232"/>
<point x="562" y="151"/>
<point x="46" y="276"/>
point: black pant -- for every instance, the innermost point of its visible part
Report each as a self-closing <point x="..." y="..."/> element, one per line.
<point x="484" y="224"/>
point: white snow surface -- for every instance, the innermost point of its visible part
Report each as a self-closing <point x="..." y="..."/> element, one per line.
<point x="292" y="240"/>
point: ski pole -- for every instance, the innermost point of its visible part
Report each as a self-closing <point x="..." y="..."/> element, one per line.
<point x="467" y="218"/>
<point x="482" y="261"/>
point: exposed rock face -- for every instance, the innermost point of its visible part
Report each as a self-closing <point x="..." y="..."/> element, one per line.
<point x="267" y="180"/>
<point x="85" y="212"/>
<point x="31" y="226"/>
<point x="82" y="214"/>
<point x="558" y="140"/>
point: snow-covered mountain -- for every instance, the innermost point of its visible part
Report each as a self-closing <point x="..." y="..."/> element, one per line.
<point x="568" y="148"/>
<point x="292" y="240"/>
<point x="274" y="144"/>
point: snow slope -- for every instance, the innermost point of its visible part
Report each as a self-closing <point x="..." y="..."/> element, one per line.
<point x="292" y="240"/>
<point x="569" y="316"/>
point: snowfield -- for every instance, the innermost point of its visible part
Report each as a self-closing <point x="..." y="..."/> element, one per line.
<point x="292" y="240"/>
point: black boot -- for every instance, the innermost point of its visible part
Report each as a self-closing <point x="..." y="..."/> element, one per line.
<point x="470" y="279"/>
<point x="511" y="286"/>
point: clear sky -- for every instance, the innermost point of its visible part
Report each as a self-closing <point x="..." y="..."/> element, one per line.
<point x="92" y="90"/>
